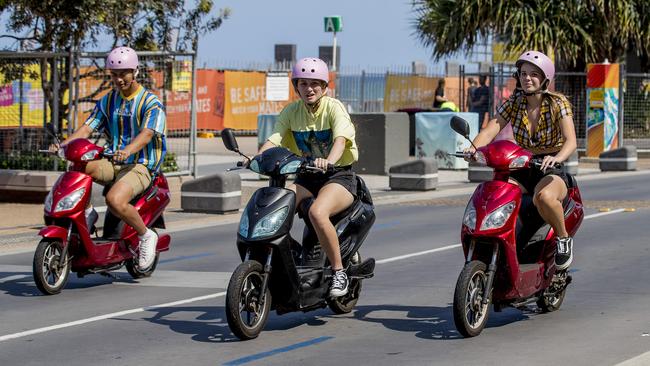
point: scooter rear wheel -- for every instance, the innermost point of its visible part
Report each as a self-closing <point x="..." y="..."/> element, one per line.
<point x="551" y="299"/>
<point x="245" y="312"/>
<point x="345" y="304"/>
<point x="50" y="269"/>
<point x="470" y="314"/>
<point x="136" y="272"/>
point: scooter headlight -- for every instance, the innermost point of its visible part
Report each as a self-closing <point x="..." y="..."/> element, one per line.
<point x="70" y="201"/>
<point x="254" y="166"/>
<point x="519" y="162"/>
<point x="48" y="202"/>
<point x="270" y="223"/>
<point x="90" y="155"/>
<point x="480" y="158"/>
<point x="498" y="217"/>
<point x="469" y="218"/>
<point x="291" y="167"/>
<point x="243" y="224"/>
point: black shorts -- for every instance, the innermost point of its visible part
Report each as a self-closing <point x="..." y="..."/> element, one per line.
<point x="529" y="178"/>
<point x="313" y="182"/>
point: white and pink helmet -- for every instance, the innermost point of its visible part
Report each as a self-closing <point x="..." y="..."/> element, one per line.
<point x="310" y="68"/>
<point x="540" y="60"/>
<point x="122" y="58"/>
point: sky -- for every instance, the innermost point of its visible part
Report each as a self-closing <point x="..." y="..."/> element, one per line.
<point x="375" y="33"/>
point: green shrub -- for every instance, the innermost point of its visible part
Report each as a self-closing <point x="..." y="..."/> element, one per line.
<point x="169" y="163"/>
<point x="31" y="161"/>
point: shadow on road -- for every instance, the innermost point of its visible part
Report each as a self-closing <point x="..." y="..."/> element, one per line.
<point x="23" y="285"/>
<point x="427" y="322"/>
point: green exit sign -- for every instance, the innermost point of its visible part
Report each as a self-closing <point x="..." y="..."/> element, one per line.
<point x="333" y="24"/>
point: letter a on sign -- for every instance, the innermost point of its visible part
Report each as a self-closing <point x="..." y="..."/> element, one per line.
<point x="333" y="24"/>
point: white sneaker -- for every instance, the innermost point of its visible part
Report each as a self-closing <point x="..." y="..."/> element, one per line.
<point x="147" y="250"/>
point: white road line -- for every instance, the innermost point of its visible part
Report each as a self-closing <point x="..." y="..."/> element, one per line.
<point x="13" y="278"/>
<point x="107" y="316"/>
<point x="618" y="210"/>
<point x="219" y="294"/>
<point x="387" y="260"/>
<point x="640" y="360"/>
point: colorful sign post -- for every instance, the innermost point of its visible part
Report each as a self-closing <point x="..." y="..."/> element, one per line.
<point x="333" y="24"/>
<point x="602" y="108"/>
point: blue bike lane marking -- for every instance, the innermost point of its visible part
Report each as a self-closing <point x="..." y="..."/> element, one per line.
<point x="385" y="225"/>
<point x="258" y="356"/>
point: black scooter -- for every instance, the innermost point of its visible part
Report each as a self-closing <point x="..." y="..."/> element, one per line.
<point x="277" y="272"/>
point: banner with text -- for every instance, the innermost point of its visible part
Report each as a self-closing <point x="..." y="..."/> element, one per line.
<point x="409" y="92"/>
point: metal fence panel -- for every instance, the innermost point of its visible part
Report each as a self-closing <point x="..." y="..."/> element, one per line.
<point x="81" y="81"/>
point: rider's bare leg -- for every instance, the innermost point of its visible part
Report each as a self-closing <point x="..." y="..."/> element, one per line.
<point x="301" y="193"/>
<point x="118" y="199"/>
<point x="332" y="199"/>
<point x="549" y="194"/>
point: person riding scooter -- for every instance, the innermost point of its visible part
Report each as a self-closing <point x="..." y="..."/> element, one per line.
<point x="319" y="127"/>
<point x="134" y="120"/>
<point x="542" y="122"/>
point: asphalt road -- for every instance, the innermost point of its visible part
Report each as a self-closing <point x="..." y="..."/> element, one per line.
<point x="404" y="315"/>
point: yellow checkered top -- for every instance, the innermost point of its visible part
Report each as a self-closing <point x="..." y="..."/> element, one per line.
<point x="548" y="136"/>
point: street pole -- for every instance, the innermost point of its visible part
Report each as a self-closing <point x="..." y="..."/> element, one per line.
<point x="334" y="54"/>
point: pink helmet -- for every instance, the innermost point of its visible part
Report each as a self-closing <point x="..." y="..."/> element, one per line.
<point x="122" y="58"/>
<point x="310" y="68"/>
<point x="540" y="60"/>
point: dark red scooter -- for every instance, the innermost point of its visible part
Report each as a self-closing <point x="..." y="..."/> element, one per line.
<point x="509" y="249"/>
<point x="67" y="243"/>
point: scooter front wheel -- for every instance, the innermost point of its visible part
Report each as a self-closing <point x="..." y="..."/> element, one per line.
<point x="50" y="268"/>
<point x="470" y="313"/>
<point x="246" y="312"/>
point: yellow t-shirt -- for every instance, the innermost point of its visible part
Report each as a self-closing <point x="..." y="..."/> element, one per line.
<point x="312" y="134"/>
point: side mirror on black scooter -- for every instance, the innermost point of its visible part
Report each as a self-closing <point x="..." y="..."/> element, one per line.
<point x="228" y="138"/>
<point x="460" y="126"/>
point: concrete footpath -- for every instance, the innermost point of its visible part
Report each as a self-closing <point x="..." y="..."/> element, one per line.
<point x="19" y="223"/>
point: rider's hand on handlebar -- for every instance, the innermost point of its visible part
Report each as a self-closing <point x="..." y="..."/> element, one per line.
<point x="321" y="163"/>
<point x="121" y="155"/>
<point x="549" y="162"/>
<point x="54" y="148"/>
<point x="469" y="154"/>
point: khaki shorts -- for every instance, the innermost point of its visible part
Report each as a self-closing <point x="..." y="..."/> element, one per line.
<point x="135" y="175"/>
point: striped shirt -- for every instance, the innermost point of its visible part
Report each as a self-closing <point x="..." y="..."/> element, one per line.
<point x="122" y="118"/>
<point x="548" y="135"/>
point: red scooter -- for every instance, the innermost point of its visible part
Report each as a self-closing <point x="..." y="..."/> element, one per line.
<point x="67" y="243"/>
<point x="509" y="249"/>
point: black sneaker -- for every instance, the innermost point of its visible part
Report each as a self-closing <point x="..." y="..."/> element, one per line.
<point x="563" y="253"/>
<point x="339" y="284"/>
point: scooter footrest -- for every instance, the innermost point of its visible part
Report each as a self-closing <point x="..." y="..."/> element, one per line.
<point x="364" y="269"/>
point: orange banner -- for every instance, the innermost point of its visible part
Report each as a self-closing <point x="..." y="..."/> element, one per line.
<point x="246" y="98"/>
<point x="209" y="103"/>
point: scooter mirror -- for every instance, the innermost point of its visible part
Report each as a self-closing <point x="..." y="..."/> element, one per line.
<point x="460" y="126"/>
<point x="229" y="140"/>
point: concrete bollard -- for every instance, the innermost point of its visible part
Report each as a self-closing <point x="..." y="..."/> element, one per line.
<point x="479" y="173"/>
<point x="571" y="165"/>
<point x="217" y="193"/>
<point x="621" y="159"/>
<point x="382" y="139"/>
<point x="416" y="175"/>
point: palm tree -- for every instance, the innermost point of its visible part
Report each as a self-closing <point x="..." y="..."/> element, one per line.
<point x="576" y="31"/>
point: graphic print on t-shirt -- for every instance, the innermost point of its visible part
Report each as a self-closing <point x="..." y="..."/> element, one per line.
<point x="314" y="144"/>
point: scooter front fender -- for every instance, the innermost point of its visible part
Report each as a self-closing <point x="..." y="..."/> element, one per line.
<point x="54" y="232"/>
